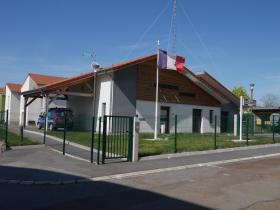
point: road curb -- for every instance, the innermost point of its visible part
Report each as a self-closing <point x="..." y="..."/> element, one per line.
<point x="206" y="152"/>
<point x="44" y="182"/>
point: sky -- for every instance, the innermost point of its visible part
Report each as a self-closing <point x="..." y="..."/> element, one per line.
<point x="236" y="41"/>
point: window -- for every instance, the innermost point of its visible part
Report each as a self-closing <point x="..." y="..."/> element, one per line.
<point x="211" y="112"/>
<point x="103" y="109"/>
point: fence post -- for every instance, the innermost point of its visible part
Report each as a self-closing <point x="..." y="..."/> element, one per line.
<point x="104" y="139"/>
<point x="247" y="130"/>
<point x="175" y="135"/>
<point x="130" y="137"/>
<point x="99" y="140"/>
<point x="21" y="134"/>
<point x="45" y="127"/>
<point x="136" y="129"/>
<point x="215" y="132"/>
<point x="273" y="129"/>
<point x="92" y="139"/>
<point x="64" y="132"/>
<point x="6" y="134"/>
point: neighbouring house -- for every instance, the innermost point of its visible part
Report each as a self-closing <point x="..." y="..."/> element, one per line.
<point x="263" y="118"/>
<point x="34" y="81"/>
<point x="2" y="100"/>
<point x="12" y="102"/>
<point x="128" y="89"/>
<point x="229" y="109"/>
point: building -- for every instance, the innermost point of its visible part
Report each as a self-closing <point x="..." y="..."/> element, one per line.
<point x="229" y="109"/>
<point x="128" y="89"/>
<point x="263" y="118"/>
<point x="35" y="81"/>
<point x="2" y="100"/>
<point x="12" y="102"/>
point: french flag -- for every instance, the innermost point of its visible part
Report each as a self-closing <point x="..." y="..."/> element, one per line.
<point x="172" y="62"/>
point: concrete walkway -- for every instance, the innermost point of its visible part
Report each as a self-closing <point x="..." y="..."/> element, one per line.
<point x="72" y="149"/>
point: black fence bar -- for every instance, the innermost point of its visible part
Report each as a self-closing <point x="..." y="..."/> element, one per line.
<point x="46" y="127"/>
<point x="175" y="135"/>
<point x="99" y="140"/>
<point x="247" y="130"/>
<point x="130" y="139"/>
<point x="21" y="134"/>
<point x="7" y="123"/>
<point x="92" y="138"/>
<point x="215" y="132"/>
<point x="273" y="129"/>
<point x="104" y="139"/>
<point x="64" y="132"/>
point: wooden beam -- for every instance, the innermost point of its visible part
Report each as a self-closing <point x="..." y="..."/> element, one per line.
<point x="56" y="97"/>
<point x="89" y="87"/>
<point x="30" y="102"/>
<point x="76" y="94"/>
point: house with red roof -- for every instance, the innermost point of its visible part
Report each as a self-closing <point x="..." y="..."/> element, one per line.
<point x="31" y="82"/>
<point x="12" y="102"/>
<point x="129" y="89"/>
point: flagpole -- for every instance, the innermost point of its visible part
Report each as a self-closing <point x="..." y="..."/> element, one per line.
<point x="240" y="118"/>
<point x="156" y="103"/>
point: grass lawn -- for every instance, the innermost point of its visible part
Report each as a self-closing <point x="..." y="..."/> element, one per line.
<point x="185" y="142"/>
<point x="14" y="139"/>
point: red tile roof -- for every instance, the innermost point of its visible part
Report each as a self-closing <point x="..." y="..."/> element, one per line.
<point x="90" y="74"/>
<point x="42" y="80"/>
<point x="1" y="90"/>
<point x="14" y="87"/>
<point x="87" y="76"/>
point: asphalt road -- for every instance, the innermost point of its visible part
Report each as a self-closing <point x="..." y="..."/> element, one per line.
<point x="251" y="185"/>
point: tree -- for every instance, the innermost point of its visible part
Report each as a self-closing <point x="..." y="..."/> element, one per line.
<point x="240" y="91"/>
<point x="270" y="100"/>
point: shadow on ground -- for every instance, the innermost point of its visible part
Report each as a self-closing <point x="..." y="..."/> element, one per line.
<point x="88" y="195"/>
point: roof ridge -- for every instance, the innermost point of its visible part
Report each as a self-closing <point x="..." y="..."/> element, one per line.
<point x="44" y="75"/>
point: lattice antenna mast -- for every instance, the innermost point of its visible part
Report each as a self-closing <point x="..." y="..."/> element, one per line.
<point x="94" y="63"/>
<point x="173" y="27"/>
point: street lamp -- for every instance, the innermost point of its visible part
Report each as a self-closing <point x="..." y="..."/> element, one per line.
<point x="252" y="86"/>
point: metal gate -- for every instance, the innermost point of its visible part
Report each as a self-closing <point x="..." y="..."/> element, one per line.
<point x="115" y="138"/>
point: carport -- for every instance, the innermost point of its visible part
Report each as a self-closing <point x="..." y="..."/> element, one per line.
<point x="77" y="91"/>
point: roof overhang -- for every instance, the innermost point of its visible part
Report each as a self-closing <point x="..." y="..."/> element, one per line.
<point x="187" y="73"/>
<point x="64" y="84"/>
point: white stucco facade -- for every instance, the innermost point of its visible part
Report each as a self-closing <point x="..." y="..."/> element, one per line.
<point x="12" y="103"/>
<point x="104" y="96"/>
<point x="146" y="114"/>
<point x="37" y="106"/>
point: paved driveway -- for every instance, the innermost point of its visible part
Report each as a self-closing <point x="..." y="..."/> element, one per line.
<point x="71" y="148"/>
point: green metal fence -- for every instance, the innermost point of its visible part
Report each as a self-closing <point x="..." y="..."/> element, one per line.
<point x="4" y="126"/>
<point x="115" y="136"/>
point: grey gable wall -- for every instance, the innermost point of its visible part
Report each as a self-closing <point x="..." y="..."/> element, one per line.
<point x="124" y="92"/>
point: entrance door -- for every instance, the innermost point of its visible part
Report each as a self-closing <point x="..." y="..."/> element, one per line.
<point x="164" y="119"/>
<point x="196" y="120"/>
<point x="224" y="122"/>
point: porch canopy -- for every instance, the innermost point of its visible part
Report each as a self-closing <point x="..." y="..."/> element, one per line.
<point x="265" y="112"/>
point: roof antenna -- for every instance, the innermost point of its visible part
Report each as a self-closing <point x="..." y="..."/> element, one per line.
<point x="173" y="30"/>
<point x="94" y="63"/>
